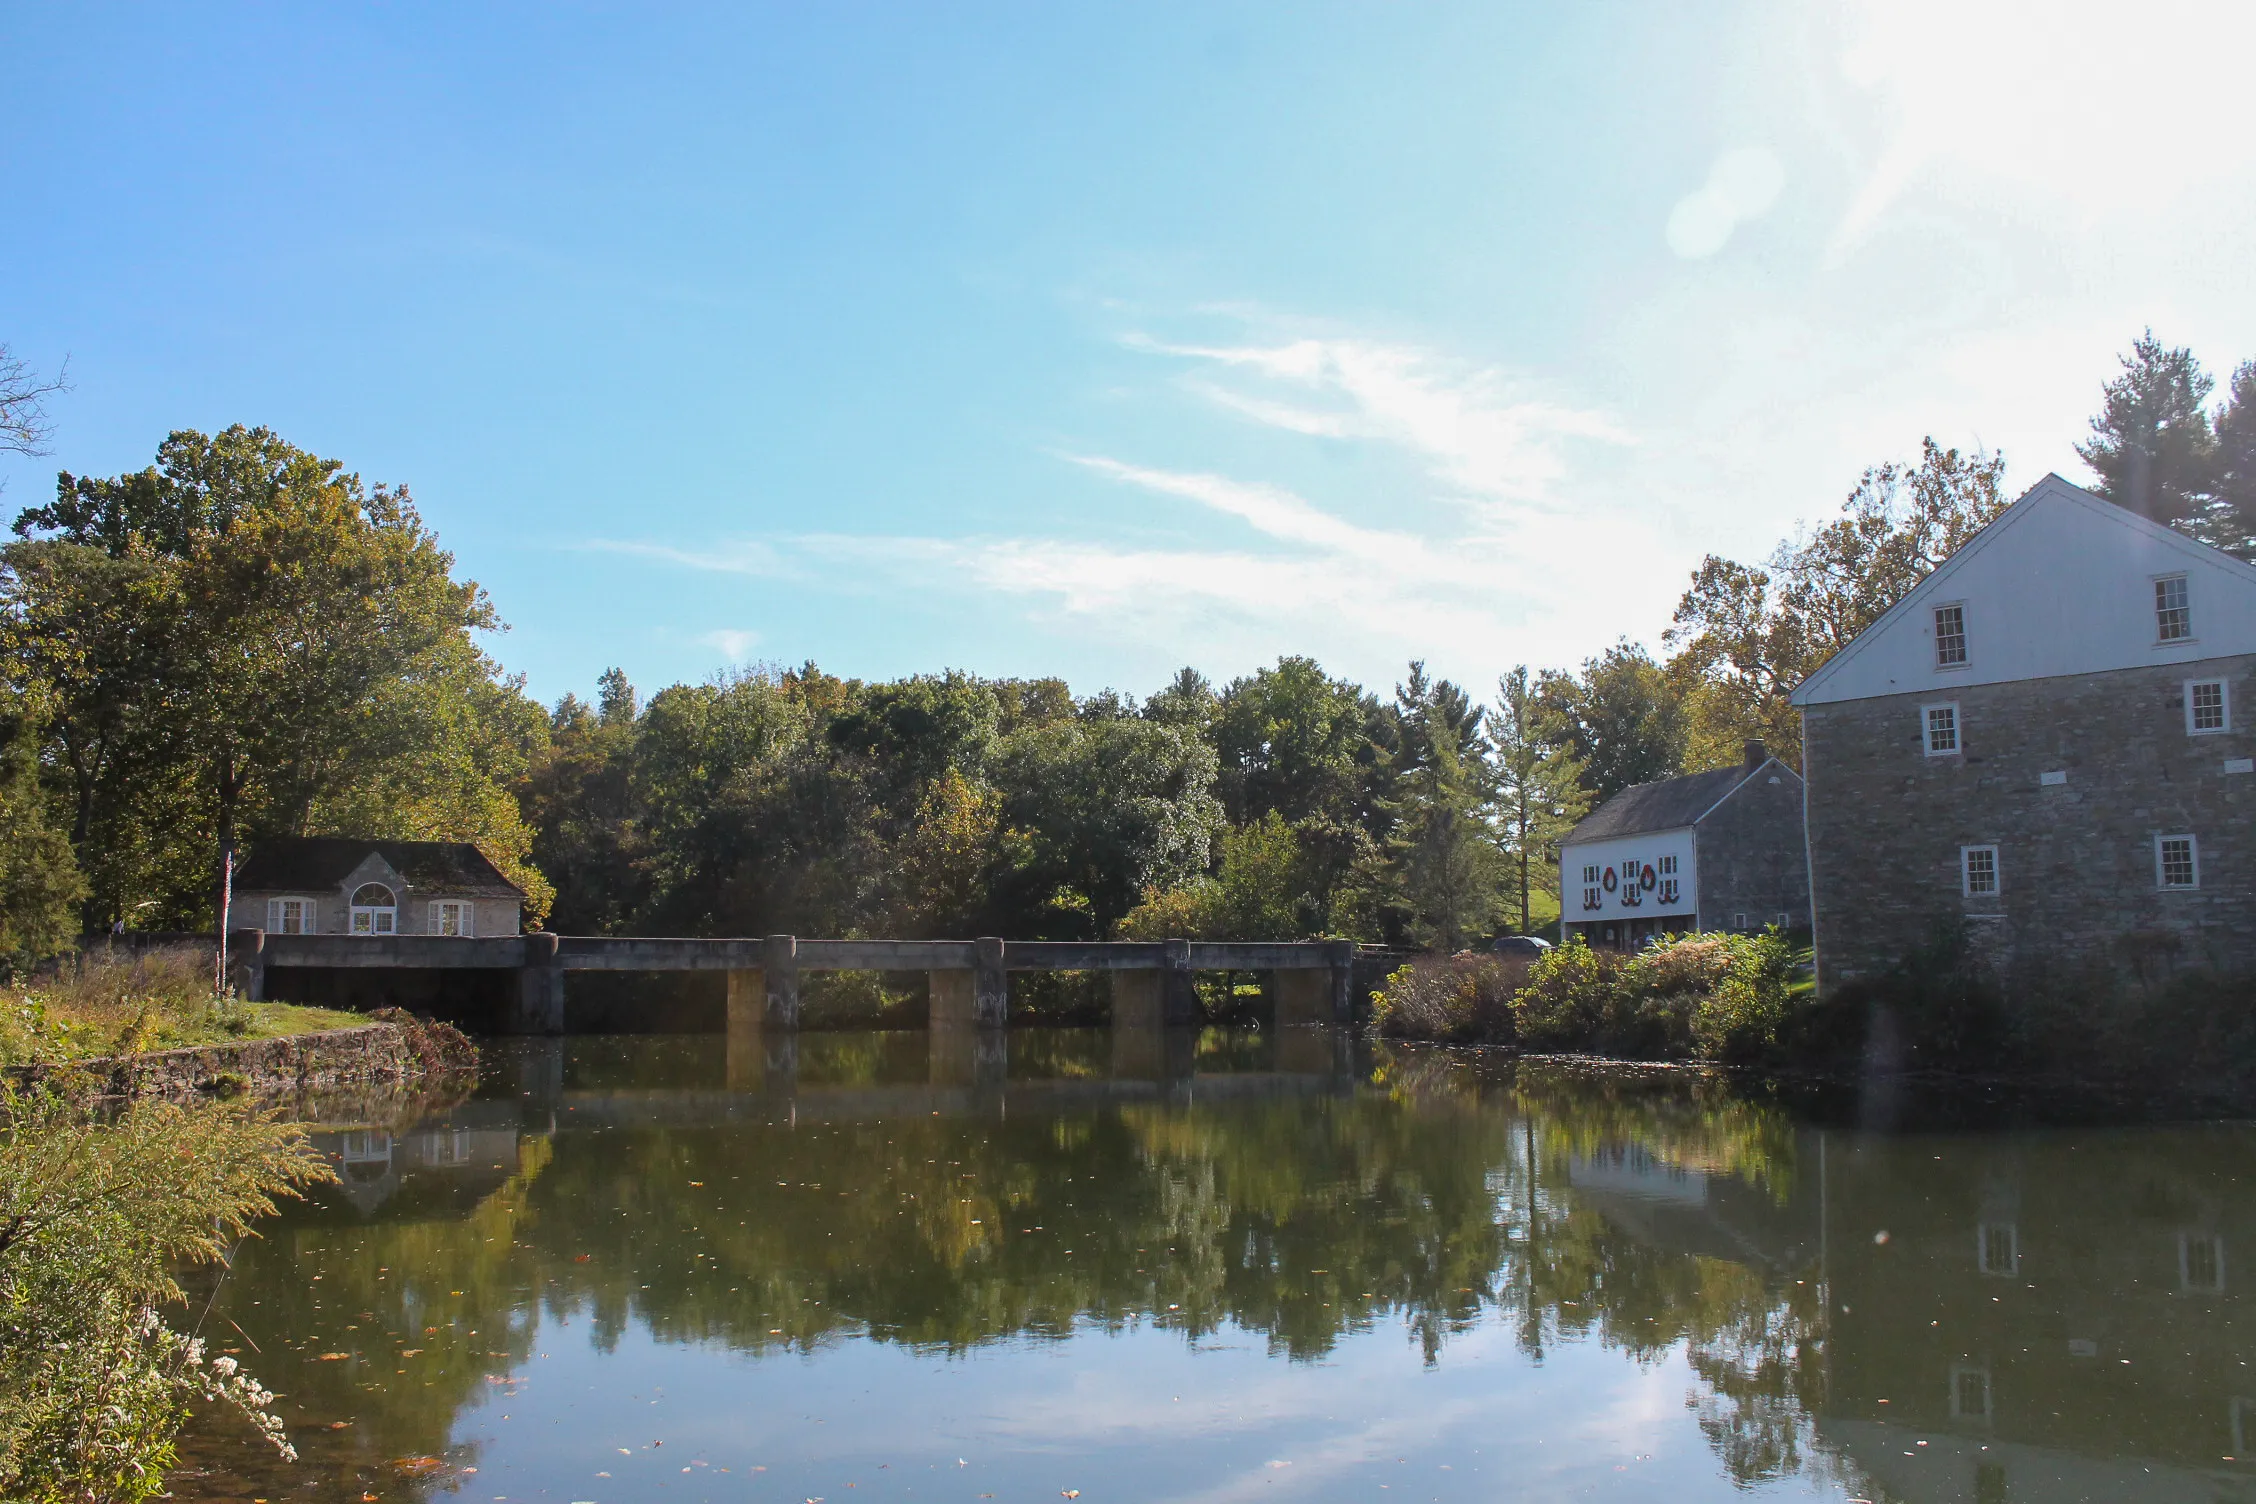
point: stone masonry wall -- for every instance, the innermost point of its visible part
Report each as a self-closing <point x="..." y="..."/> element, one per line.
<point x="2077" y="876"/>
<point x="1751" y="855"/>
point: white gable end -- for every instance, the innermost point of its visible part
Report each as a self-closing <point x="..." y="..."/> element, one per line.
<point x="2062" y="582"/>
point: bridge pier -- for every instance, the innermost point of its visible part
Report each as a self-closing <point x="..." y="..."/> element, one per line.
<point x="1157" y="999"/>
<point x="540" y="989"/>
<point x="779" y="958"/>
<point x="246" y="955"/>
<point x="978" y="998"/>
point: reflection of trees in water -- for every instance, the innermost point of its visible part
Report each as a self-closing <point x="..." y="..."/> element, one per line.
<point x="1446" y="1196"/>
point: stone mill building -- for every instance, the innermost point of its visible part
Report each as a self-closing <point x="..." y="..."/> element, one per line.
<point x="2043" y="749"/>
<point x="1708" y="851"/>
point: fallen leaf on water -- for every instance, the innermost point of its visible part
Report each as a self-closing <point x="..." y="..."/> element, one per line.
<point x="334" y="1357"/>
<point x="581" y="1258"/>
<point x="1069" y="1493"/>
<point x="339" y="1425"/>
<point x="417" y="1467"/>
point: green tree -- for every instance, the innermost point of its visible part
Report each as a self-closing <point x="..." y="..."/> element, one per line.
<point x="1622" y="718"/>
<point x="269" y="646"/>
<point x="2151" y="444"/>
<point x="2231" y="515"/>
<point x="1445" y="866"/>
<point x="1747" y="635"/>
<point x="1539" y="792"/>
<point x="40" y="884"/>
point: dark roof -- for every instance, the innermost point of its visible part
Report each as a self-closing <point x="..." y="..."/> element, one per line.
<point x="281" y="863"/>
<point x="1668" y="805"/>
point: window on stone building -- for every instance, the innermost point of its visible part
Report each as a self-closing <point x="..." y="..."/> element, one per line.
<point x="1738" y="921"/>
<point x="2207" y="707"/>
<point x="290" y="916"/>
<point x="374" y="910"/>
<point x="2173" y="613"/>
<point x="1950" y="635"/>
<point x="1969" y="1392"/>
<point x="450" y="916"/>
<point x="1997" y="1249"/>
<point x="2177" y="863"/>
<point x="2201" y="1263"/>
<point x="1978" y="870"/>
<point x="1942" y="728"/>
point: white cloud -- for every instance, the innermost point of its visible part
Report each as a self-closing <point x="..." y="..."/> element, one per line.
<point x="735" y="643"/>
<point x="743" y="556"/>
<point x="1741" y="186"/>
<point x="1473" y="426"/>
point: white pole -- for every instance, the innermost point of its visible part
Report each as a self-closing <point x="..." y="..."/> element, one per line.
<point x="226" y="906"/>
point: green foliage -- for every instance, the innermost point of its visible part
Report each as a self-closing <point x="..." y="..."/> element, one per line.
<point x="241" y="641"/>
<point x="1465" y="998"/>
<point x="96" y="1212"/>
<point x="103" y="1003"/>
<point x="40" y="884"/>
<point x="1621" y="718"/>
<point x="2151" y="445"/>
<point x="1722" y="998"/>
<point x="1539" y="794"/>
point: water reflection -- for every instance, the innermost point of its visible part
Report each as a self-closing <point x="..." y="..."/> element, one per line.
<point x="1608" y="1284"/>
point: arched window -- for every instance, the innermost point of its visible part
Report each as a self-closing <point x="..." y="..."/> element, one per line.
<point x="374" y="910"/>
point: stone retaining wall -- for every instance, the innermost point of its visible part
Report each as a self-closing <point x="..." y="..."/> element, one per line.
<point x="370" y="1052"/>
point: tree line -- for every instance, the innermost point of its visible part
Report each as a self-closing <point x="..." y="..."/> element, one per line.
<point x="244" y="640"/>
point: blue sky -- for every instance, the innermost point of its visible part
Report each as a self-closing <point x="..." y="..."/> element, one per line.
<point x="1101" y="339"/>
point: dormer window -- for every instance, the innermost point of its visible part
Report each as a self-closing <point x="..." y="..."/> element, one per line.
<point x="2173" y="612"/>
<point x="1950" y="636"/>
<point x="374" y="910"/>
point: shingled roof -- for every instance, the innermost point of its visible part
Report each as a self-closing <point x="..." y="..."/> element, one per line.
<point x="305" y="863"/>
<point x="1670" y="804"/>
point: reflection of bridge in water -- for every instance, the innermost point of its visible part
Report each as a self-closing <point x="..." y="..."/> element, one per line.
<point x="1152" y="982"/>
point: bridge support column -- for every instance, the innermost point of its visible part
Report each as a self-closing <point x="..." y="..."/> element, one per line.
<point x="246" y="956"/>
<point x="747" y="1000"/>
<point x="1303" y="997"/>
<point x="1165" y="998"/>
<point x="967" y="1057"/>
<point x="978" y="998"/>
<point x="779" y="956"/>
<point x="540" y="989"/>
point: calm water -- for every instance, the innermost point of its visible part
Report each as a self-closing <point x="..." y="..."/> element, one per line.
<point x="1229" y="1268"/>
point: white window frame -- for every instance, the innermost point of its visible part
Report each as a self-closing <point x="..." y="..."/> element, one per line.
<point x="2215" y="1246"/>
<point x="1966" y="886"/>
<point x="383" y="918"/>
<point x="1927" y="729"/>
<point x="1965" y="638"/>
<point x="2224" y="706"/>
<point x="467" y="922"/>
<point x="2162" y="634"/>
<point x="1997" y="1249"/>
<point x="1959" y="1409"/>
<point x="2193" y="861"/>
<point x="274" y="915"/>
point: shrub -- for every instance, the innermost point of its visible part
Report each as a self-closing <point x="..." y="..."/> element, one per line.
<point x="1465" y="998"/>
<point x="1707" y="996"/>
<point x="1745" y="1014"/>
<point x="95" y="1212"/>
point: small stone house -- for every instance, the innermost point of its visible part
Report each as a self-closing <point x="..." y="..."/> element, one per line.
<point x="2043" y="750"/>
<point x="1708" y="851"/>
<point x="335" y="885"/>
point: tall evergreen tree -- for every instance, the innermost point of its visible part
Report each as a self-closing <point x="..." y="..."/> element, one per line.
<point x="1539" y="792"/>
<point x="2152" y="446"/>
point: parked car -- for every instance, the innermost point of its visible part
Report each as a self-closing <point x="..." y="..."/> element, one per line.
<point x="1520" y="945"/>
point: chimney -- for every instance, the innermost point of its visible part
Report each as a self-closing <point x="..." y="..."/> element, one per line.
<point x="1756" y="756"/>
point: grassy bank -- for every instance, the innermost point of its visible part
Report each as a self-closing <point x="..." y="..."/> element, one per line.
<point x="115" y="1004"/>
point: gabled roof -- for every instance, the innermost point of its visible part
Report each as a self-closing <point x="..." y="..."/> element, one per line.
<point x="1670" y="804"/>
<point x="311" y="863"/>
<point x="2059" y="583"/>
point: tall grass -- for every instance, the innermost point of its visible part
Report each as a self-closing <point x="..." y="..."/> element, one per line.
<point x="117" y="1002"/>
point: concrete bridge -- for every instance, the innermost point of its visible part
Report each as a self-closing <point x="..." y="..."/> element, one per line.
<point x="1312" y="981"/>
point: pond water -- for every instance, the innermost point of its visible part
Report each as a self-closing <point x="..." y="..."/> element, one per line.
<point x="1229" y="1267"/>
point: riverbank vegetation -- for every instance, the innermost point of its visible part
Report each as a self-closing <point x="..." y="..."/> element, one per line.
<point x="96" y="1212"/>
<point x="244" y="639"/>
<point x="1728" y="999"/>
<point x="103" y="1003"/>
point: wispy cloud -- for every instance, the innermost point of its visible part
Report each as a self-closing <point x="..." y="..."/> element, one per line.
<point x="734" y="642"/>
<point x="1475" y="427"/>
<point x="743" y="556"/>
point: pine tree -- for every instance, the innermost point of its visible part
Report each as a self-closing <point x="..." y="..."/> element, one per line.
<point x="1539" y="793"/>
<point x="2151" y="445"/>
